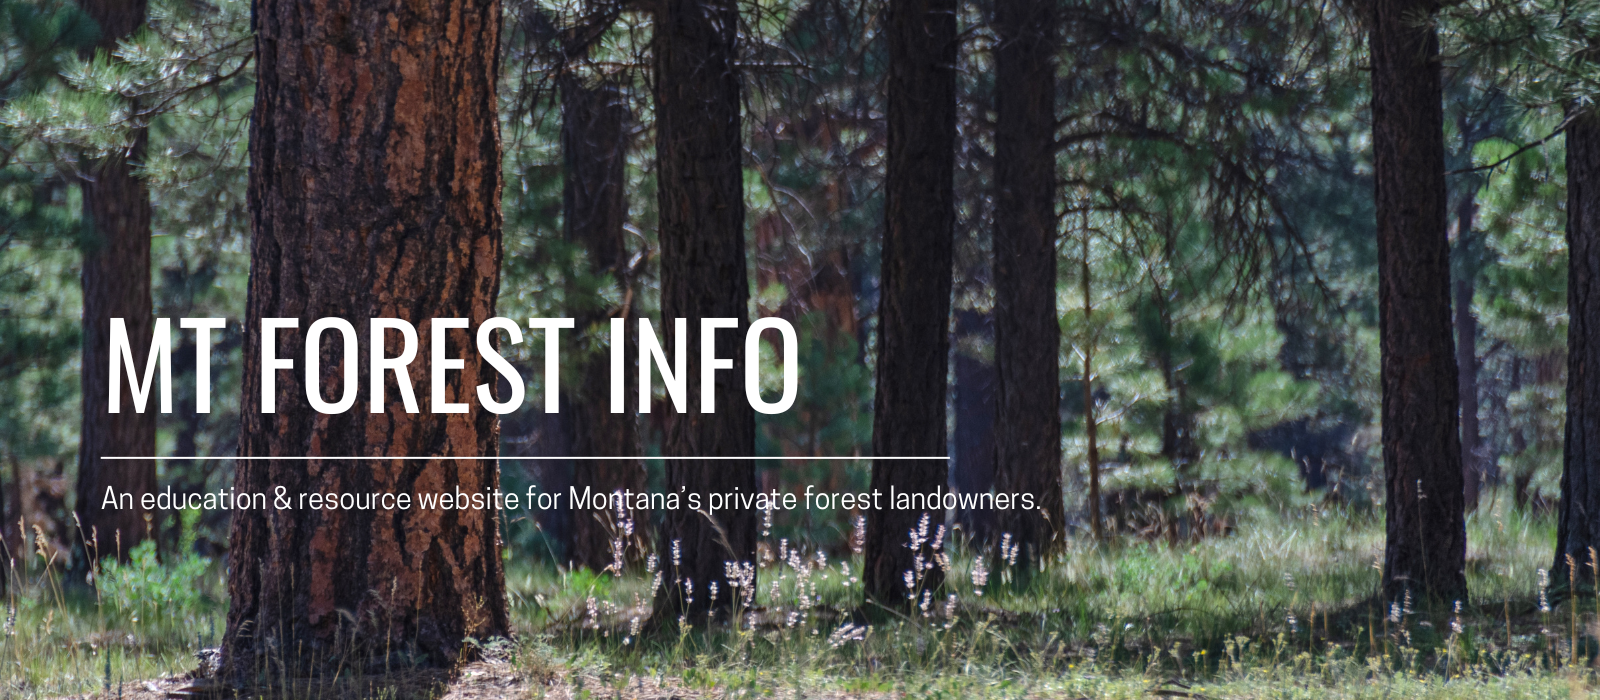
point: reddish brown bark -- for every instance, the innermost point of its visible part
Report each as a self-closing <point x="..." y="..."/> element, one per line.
<point x="116" y="284"/>
<point x="374" y="192"/>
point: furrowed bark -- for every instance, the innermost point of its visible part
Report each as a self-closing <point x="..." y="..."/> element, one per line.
<point x="1426" y="545"/>
<point x="1578" y="525"/>
<point x="1027" y="332"/>
<point x="594" y="208"/>
<point x="374" y="192"/>
<point x="116" y="284"/>
<point x="908" y="417"/>
<point x="700" y="176"/>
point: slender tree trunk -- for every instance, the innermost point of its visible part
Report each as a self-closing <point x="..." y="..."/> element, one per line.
<point x="1426" y="547"/>
<point x="908" y="417"/>
<point x="700" y="176"/>
<point x="594" y="148"/>
<point x="374" y="192"/>
<point x="1027" y="331"/>
<point x="1466" y="322"/>
<point x="1578" y="527"/>
<point x="972" y="464"/>
<point x="116" y="284"/>
<point x="1090" y="428"/>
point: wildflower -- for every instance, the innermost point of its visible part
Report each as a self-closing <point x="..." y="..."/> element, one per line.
<point x="911" y="586"/>
<point x="846" y="633"/>
<point x="980" y="575"/>
<point x="858" y="537"/>
<point x="1544" y="583"/>
<point x="676" y="553"/>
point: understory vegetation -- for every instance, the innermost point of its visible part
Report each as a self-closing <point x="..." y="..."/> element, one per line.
<point x="1283" y="608"/>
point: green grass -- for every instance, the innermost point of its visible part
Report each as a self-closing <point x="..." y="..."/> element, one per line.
<point x="1280" y="609"/>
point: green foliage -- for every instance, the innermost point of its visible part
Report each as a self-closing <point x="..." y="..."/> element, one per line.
<point x="145" y="589"/>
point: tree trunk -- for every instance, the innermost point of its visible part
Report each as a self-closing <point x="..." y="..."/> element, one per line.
<point x="700" y="176"/>
<point x="116" y="284"/>
<point x="1091" y="429"/>
<point x="594" y="147"/>
<point x="374" y="192"/>
<point x="972" y="466"/>
<point x="1426" y="546"/>
<point x="914" y="304"/>
<point x="1473" y="467"/>
<point x="1027" y="331"/>
<point x="1578" y="528"/>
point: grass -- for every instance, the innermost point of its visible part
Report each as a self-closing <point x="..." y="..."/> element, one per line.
<point x="1280" y="609"/>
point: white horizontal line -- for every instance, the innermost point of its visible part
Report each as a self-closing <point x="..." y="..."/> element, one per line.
<point x="536" y="459"/>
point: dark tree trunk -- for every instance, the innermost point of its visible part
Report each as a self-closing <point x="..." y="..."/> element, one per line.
<point x="972" y="463"/>
<point x="1473" y="465"/>
<point x="374" y="192"/>
<point x="700" y="176"/>
<point x="1578" y="528"/>
<point x="594" y="147"/>
<point x="116" y="284"/>
<point x="1426" y="546"/>
<point x="914" y="305"/>
<point x="1027" y="330"/>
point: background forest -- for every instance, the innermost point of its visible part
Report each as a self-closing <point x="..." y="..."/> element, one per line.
<point x="1217" y="297"/>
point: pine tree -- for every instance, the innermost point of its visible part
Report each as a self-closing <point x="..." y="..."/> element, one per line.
<point x="908" y="417"/>
<point x="701" y="205"/>
<point x="375" y="193"/>
<point x="116" y="284"/>
<point x="1027" y="334"/>
<point x="1426" y="546"/>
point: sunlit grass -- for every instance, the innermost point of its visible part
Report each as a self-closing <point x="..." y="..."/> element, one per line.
<point x="1281" y="609"/>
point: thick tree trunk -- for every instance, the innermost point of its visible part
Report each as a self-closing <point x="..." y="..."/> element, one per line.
<point x="374" y="192"/>
<point x="908" y="417"/>
<point x="116" y="284"/>
<point x="972" y="464"/>
<point x="1426" y="547"/>
<point x="700" y="176"/>
<point x="1027" y="331"/>
<point x="1578" y="528"/>
<point x="1466" y="286"/>
<point x="594" y="147"/>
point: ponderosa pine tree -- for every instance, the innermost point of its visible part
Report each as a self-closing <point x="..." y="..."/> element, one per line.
<point x="1425" y="550"/>
<point x="1027" y="330"/>
<point x="116" y="284"/>
<point x="701" y="204"/>
<point x="908" y="409"/>
<point x="374" y="193"/>
<point x="1578" y="526"/>
<point x="594" y="150"/>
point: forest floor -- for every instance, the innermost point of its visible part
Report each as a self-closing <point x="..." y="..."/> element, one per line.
<point x="1278" y="609"/>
